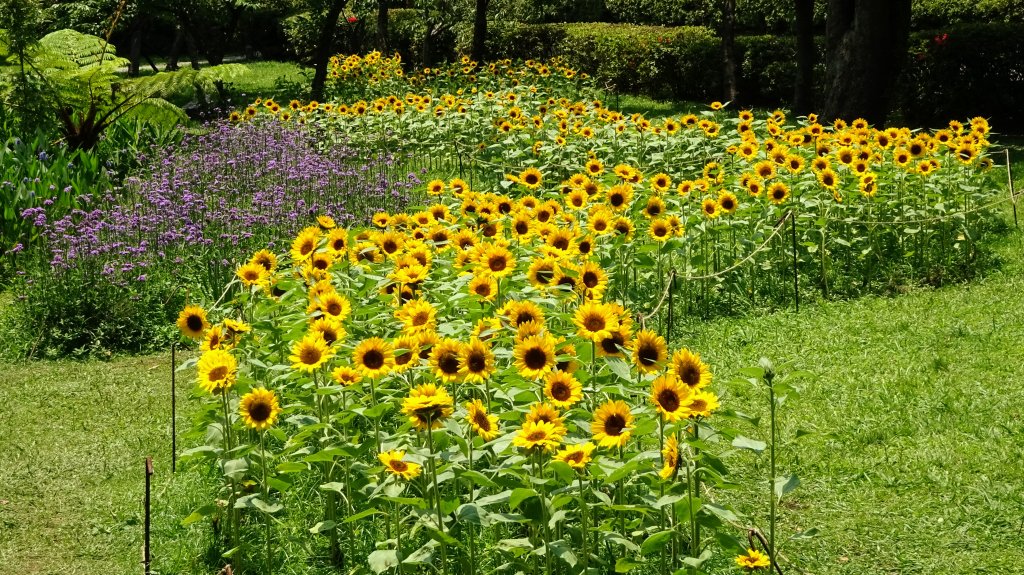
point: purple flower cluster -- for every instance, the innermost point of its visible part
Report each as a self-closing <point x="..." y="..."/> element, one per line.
<point x="219" y="196"/>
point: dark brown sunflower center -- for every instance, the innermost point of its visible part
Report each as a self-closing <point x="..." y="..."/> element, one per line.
<point x="522" y="227"/>
<point x="333" y="308"/>
<point x="476" y="362"/>
<point x="594" y="323"/>
<point x="399" y="466"/>
<point x="535" y="358"/>
<point x="614" y="425"/>
<point x="194" y="323"/>
<point x="483" y="289"/>
<point x="330" y="335"/>
<point x="648" y="355"/>
<point x="543" y="216"/>
<point x="481" y="420"/>
<point x="389" y="246"/>
<point x="403" y="358"/>
<point x="259" y="411"/>
<point x="337" y="246"/>
<point x="218" y="373"/>
<point x="420" y="318"/>
<point x="253" y="275"/>
<point x="561" y="391"/>
<point x="544" y="275"/>
<point x="653" y="209"/>
<point x="600" y="225"/>
<point x="561" y="243"/>
<point x="575" y="457"/>
<point x="448" y="363"/>
<point x="690" y="375"/>
<point x="373" y="359"/>
<point x="524" y="317"/>
<point x="668" y="400"/>
<point x="584" y="248"/>
<point x="497" y="263"/>
<point x="531" y="179"/>
<point x="727" y="204"/>
<point x="305" y="248"/>
<point x="319" y="263"/>
<point x="611" y="344"/>
<point x="538" y="435"/>
<point x="617" y="200"/>
<point x="567" y="281"/>
<point x="698" y="405"/>
<point x="310" y="355"/>
<point x="622" y="228"/>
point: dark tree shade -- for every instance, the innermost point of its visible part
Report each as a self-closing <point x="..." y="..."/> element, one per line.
<point x="866" y="42"/>
<point x="382" y="27"/>
<point x="728" y="33"/>
<point x="324" y="46"/>
<point x="803" y="96"/>
<point x="480" y="30"/>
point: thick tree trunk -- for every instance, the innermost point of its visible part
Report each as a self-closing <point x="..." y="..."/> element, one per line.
<point x="135" y="50"/>
<point x="803" y="94"/>
<point x="382" y="27"/>
<point x="325" y="43"/>
<point x="480" y="31"/>
<point x="172" y="58"/>
<point x="728" y="33"/>
<point x="866" y="44"/>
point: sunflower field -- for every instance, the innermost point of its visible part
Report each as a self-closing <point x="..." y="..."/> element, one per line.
<point x="490" y="381"/>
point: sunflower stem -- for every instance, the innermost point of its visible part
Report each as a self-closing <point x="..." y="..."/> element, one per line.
<point x="266" y="497"/>
<point x="583" y="524"/>
<point x="437" y="492"/>
<point x="771" y="479"/>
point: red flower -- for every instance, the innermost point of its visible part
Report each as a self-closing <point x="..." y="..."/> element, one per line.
<point x="352" y="19"/>
<point x="941" y="39"/>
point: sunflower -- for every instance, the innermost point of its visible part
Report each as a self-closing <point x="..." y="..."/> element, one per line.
<point x="259" y="409"/>
<point x="445" y="359"/>
<point x="611" y="424"/>
<point x="535" y="356"/>
<point x="828" y="179"/>
<point x="482" y="423"/>
<point x="417" y="316"/>
<point x="329" y="329"/>
<point x="561" y="242"/>
<point x="537" y="435"/>
<point x="326" y="222"/>
<point x="520" y="312"/>
<point x="778" y="192"/>
<point x="394" y="462"/>
<point x="498" y="260"/>
<point x="310" y="353"/>
<point x="373" y="357"/>
<point x="594" y="167"/>
<point x="576" y="456"/>
<point x="381" y="219"/>
<point x="346" y="375"/>
<point x="542" y="271"/>
<point x="613" y="344"/>
<point x="337" y="241"/>
<point x="702" y="404"/>
<point x="690" y="369"/>
<point x="710" y="207"/>
<point x="265" y="259"/>
<point x="568" y="364"/>
<point x="427" y="405"/>
<point x="335" y="306"/>
<point x="753" y="560"/>
<point x="593" y="280"/>
<point x="484" y="286"/>
<point x="562" y="389"/>
<point x="531" y="178"/>
<point x="192" y="321"/>
<point x="305" y="243"/>
<point x="669" y="458"/>
<point x="670" y="397"/>
<point x="216" y="338"/>
<point x="435" y="187"/>
<point x="727" y="202"/>
<point x="476" y="361"/>
<point x="661" y="183"/>
<point x="595" y="321"/>
<point x="649" y="351"/>
<point x="217" y="370"/>
<point x="619" y="197"/>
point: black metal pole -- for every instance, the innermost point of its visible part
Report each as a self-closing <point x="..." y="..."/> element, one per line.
<point x="146" y="557"/>
<point x="796" y="276"/>
<point x="1013" y="194"/>
<point x="174" y="411"/>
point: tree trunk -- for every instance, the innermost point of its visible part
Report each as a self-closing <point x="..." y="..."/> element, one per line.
<point x="322" y="54"/>
<point x="382" y="27"/>
<point x="172" y="58"/>
<point x="135" y="50"/>
<point x="480" y="31"/>
<point x="803" y="94"/>
<point x="866" y="44"/>
<point x="428" y="42"/>
<point x="728" y="33"/>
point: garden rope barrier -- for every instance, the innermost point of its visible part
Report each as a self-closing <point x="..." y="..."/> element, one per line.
<point x="775" y="232"/>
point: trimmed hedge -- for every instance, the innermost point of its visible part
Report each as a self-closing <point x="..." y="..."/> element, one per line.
<point x="977" y="70"/>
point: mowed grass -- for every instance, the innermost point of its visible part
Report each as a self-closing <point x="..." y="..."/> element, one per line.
<point x="73" y="438"/>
